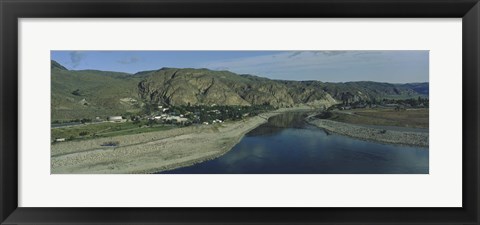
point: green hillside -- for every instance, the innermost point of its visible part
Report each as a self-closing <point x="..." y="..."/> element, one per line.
<point x="90" y="93"/>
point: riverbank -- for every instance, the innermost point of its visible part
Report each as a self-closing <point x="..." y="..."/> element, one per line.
<point x="373" y="134"/>
<point x="154" y="151"/>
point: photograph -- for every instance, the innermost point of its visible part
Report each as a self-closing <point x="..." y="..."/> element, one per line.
<point x="239" y="112"/>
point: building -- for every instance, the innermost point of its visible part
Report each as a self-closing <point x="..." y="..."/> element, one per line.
<point x="392" y="105"/>
<point x="177" y="119"/>
<point x="182" y="120"/>
<point x="116" y="119"/>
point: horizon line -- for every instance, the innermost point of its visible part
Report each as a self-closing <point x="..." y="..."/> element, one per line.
<point x="202" y="68"/>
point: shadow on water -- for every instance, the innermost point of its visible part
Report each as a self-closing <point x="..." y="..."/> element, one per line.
<point x="288" y="145"/>
<point x="279" y="123"/>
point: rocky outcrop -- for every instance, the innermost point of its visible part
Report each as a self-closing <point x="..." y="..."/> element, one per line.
<point x="182" y="87"/>
<point x="206" y="87"/>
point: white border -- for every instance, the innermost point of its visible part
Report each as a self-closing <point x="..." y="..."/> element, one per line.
<point x="441" y="188"/>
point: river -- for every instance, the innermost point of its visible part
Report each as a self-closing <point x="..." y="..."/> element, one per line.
<point x="288" y="145"/>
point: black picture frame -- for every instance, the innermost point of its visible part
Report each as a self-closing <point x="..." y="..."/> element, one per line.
<point x="12" y="10"/>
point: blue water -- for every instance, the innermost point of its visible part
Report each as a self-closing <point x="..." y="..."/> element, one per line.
<point x="288" y="145"/>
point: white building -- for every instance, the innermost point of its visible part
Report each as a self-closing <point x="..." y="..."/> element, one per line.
<point x="116" y="119"/>
<point x="181" y="120"/>
<point x="217" y="121"/>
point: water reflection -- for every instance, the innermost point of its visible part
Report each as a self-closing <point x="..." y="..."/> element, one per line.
<point x="287" y="145"/>
<point x="278" y="123"/>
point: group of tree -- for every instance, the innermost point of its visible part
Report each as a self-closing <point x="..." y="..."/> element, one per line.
<point x="410" y="102"/>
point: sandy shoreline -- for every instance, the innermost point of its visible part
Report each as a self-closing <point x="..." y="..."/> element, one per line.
<point x="154" y="151"/>
<point x="373" y="134"/>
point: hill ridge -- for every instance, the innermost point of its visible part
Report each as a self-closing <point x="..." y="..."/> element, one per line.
<point x="103" y="93"/>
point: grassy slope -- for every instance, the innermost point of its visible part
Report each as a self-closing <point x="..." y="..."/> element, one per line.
<point x="100" y="93"/>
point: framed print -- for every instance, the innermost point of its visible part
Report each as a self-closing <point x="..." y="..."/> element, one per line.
<point x="199" y="112"/>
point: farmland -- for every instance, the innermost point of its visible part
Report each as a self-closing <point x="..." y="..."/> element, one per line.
<point x="411" y="118"/>
<point x="104" y="129"/>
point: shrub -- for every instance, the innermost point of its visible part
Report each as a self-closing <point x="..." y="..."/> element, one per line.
<point x="76" y="92"/>
<point x="111" y="143"/>
<point x="324" y="115"/>
<point x="85" y="120"/>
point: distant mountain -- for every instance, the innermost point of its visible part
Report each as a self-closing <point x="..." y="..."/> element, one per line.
<point x="421" y="88"/>
<point x="91" y="93"/>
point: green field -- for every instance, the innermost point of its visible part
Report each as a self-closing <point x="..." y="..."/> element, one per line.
<point x="413" y="118"/>
<point x="105" y="129"/>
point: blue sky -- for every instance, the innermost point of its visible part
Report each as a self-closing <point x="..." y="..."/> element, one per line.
<point x="328" y="66"/>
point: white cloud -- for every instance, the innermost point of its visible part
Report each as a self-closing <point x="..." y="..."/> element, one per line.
<point x="76" y="58"/>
